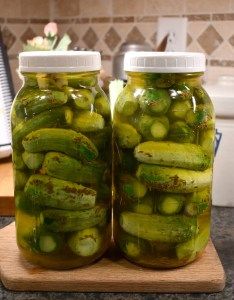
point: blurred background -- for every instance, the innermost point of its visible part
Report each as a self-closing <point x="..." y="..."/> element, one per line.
<point x="105" y="24"/>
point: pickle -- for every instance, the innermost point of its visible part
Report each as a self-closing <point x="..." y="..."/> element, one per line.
<point x="143" y="205"/>
<point x="64" y="167"/>
<point x="20" y="179"/>
<point x="187" y="156"/>
<point x="206" y="140"/>
<point x="171" y="229"/>
<point x="33" y="160"/>
<point x="64" y="220"/>
<point x="23" y="203"/>
<point x="81" y="99"/>
<point x="88" y="122"/>
<point x="48" y="191"/>
<point x="102" y="105"/>
<point x="18" y="160"/>
<point x="181" y="92"/>
<point x="156" y="101"/>
<point x="32" y="101"/>
<point x="164" y="80"/>
<point x="85" y="242"/>
<point x="131" y="187"/>
<point x="178" y="110"/>
<point x="126" y="135"/>
<point x="197" y="203"/>
<point x="126" y="104"/>
<point x="61" y="116"/>
<point x="81" y="81"/>
<point x="170" y="203"/>
<point x="180" y="132"/>
<point x="174" y="180"/>
<point x="61" y="140"/>
<point x="132" y="246"/>
<point x="190" y="248"/>
<point x="48" y="242"/>
<point x="153" y="128"/>
<point x="201" y="117"/>
<point x="200" y="94"/>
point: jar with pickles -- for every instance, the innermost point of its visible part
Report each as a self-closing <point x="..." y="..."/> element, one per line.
<point x="163" y="127"/>
<point x="61" y="139"/>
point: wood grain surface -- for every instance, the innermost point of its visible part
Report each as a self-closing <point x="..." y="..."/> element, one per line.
<point x="110" y="274"/>
<point x="6" y="188"/>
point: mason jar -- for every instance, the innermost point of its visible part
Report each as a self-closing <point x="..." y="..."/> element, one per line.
<point x="163" y="128"/>
<point x="61" y="138"/>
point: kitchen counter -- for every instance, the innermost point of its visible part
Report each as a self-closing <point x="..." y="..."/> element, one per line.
<point x="222" y="236"/>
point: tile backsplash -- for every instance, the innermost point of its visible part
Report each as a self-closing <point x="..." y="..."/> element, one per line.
<point x="105" y="24"/>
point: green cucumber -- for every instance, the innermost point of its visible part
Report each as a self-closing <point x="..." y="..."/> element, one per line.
<point x="23" y="203"/>
<point x="48" y="191"/>
<point x="156" y="101"/>
<point x="198" y="202"/>
<point x="153" y="128"/>
<point x="32" y="101"/>
<point x="143" y="205"/>
<point x="49" y="242"/>
<point x="178" y="110"/>
<point x="87" y="121"/>
<point x="33" y="160"/>
<point x="189" y="250"/>
<point x="174" y="180"/>
<point x="61" y="116"/>
<point x="127" y="136"/>
<point x="187" y="156"/>
<point x="81" y="99"/>
<point x="164" y="80"/>
<point x="131" y="245"/>
<point x="170" y="204"/>
<point x="206" y="140"/>
<point x="82" y="81"/>
<point x="181" y="92"/>
<point x="102" y="105"/>
<point x="180" y="132"/>
<point x="20" y="179"/>
<point x="200" y="117"/>
<point x="131" y="187"/>
<point x="126" y="103"/>
<point x="65" y="220"/>
<point x="64" y="167"/>
<point x="171" y="229"/>
<point x="17" y="160"/>
<point x="86" y="242"/>
<point x="62" y="140"/>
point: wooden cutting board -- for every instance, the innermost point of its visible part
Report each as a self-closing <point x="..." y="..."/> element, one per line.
<point x="6" y="188"/>
<point x="110" y="274"/>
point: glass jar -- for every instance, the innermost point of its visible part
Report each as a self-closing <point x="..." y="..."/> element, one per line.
<point x="163" y="152"/>
<point x="61" y="136"/>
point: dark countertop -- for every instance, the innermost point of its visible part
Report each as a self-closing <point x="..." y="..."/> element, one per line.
<point x="222" y="236"/>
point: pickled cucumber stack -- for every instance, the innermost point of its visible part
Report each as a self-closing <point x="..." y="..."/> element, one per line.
<point x="61" y="136"/>
<point x="163" y="137"/>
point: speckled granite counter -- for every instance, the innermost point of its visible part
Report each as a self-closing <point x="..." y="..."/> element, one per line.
<point x="222" y="236"/>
